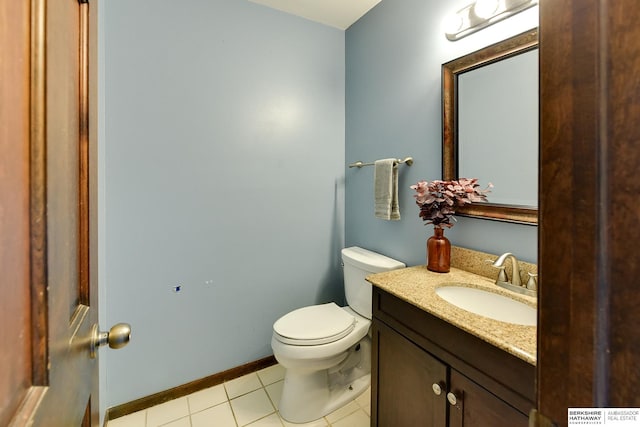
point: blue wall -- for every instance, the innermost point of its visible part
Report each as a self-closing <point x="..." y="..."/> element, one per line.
<point x="393" y="65"/>
<point x="222" y="170"/>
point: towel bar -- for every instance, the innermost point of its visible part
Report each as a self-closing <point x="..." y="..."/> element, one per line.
<point x="359" y="164"/>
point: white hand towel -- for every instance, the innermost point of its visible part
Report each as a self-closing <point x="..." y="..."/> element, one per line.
<point x="385" y="187"/>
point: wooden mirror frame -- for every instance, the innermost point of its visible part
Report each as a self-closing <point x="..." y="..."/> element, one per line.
<point x="502" y="50"/>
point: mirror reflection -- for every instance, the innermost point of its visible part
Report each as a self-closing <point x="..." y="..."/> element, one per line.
<point x="498" y="128"/>
<point x="490" y="126"/>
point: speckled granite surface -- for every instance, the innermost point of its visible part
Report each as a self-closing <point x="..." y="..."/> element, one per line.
<point x="417" y="285"/>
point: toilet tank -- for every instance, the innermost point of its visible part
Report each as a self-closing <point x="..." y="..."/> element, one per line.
<point x="358" y="264"/>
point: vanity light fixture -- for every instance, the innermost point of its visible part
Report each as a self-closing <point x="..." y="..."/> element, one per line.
<point x="481" y="14"/>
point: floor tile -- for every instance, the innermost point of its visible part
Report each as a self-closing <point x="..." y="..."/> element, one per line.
<point x="272" y="420"/>
<point x="251" y="407"/>
<point x="364" y="399"/>
<point x="207" y="398"/>
<point x="167" y="412"/>
<point x="275" y="392"/>
<point x="367" y="410"/>
<point x="182" y="422"/>
<point x="242" y="385"/>
<point x="271" y="374"/>
<point x="254" y="401"/>
<point x="218" y="416"/>
<point x="317" y="423"/>
<point x="338" y="414"/>
<point x="137" y="419"/>
<point x="356" y="419"/>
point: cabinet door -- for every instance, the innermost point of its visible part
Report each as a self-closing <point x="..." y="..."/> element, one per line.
<point x="476" y="407"/>
<point x="404" y="375"/>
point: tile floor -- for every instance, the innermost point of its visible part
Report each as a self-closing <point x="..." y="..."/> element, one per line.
<point x="251" y="400"/>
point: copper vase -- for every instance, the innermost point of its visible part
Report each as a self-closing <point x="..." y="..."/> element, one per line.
<point x="438" y="252"/>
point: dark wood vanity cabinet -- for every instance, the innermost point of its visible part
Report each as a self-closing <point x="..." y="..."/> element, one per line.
<point x="476" y="406"/>
<point x="405" y="376"/>
<point x="420" y="362"/>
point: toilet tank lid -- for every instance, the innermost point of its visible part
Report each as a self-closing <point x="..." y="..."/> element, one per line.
<point x="369" y="261"/>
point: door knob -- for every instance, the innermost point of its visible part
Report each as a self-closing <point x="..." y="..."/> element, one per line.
<point x="117" y="337"/>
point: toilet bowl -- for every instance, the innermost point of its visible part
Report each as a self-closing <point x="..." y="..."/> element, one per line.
<point x="326" y="349"/>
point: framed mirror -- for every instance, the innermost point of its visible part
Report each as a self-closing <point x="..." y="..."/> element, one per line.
<point x="490" y="126"/>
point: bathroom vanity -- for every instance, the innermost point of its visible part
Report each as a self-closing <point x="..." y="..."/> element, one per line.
<point x="434" y="364"/>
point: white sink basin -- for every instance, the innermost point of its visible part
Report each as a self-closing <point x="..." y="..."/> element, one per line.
<point x="489" y="304"/>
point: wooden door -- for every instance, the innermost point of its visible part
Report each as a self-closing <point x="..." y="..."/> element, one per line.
<point x="589" y="263"/>
<point x="476" y="407"/>
<point x="49" y="298"/>
<point x="404" y="376"/>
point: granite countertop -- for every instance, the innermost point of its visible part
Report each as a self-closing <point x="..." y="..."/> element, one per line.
<point x="417" y="285"/>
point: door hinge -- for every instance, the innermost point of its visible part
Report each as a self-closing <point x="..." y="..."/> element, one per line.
<point x="83" y="1"/>
<point x="536" y="419"/>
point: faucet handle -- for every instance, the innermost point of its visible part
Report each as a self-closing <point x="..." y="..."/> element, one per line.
<point x="532" y="283"/>
<point x="502" y="275"/>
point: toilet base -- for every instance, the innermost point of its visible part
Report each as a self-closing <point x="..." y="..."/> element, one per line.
<point x="308" y="396"/>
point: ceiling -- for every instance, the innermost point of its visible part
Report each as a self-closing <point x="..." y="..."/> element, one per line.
<point x="336" y="13"/>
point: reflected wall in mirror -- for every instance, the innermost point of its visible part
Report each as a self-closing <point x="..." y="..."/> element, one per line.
<point x="490" y="126"/>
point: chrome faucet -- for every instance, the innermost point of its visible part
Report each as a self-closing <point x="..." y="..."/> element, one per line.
<point x="515" y="284"/>
<point x="515" y="269"/>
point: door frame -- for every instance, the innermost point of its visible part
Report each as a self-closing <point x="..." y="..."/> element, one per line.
<point x="588" y="341"/>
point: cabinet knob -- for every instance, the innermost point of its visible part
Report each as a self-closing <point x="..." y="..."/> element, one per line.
<point x="452" y="398"/>
<point x="437" y="390"/>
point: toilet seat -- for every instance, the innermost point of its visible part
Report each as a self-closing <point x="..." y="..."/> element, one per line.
<point x="314" y="325"/>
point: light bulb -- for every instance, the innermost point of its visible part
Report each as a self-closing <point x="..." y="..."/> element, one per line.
<point x="453" y="23"/>
<point x="485" y="8"/>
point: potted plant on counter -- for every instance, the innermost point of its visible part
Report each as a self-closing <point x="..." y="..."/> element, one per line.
<point x="438" y="201"/>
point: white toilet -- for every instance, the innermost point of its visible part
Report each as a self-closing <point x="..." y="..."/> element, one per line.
<point x="326" y="349"/>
